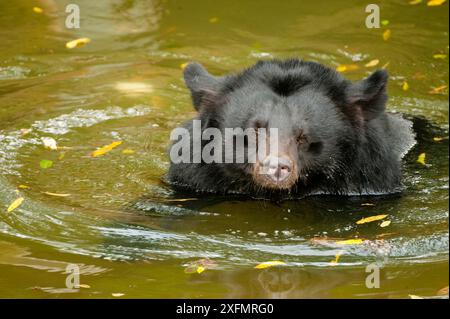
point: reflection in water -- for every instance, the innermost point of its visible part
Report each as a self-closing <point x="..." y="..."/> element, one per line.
<point x="11" y="254"/>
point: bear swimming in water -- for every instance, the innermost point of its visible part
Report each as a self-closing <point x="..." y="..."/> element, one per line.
<point x="333" y="136"/>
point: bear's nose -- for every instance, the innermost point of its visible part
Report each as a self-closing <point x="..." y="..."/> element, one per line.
<point x="277" y="168"/>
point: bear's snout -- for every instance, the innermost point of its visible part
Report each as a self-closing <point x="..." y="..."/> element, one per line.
<point x="276" y="168"/>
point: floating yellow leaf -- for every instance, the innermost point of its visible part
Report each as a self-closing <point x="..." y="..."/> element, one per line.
<point x="336" y="258"/>
<point x="37" y="10"/>
<point x="44" y="164"/>
<point x="77" y="43"/>
<point x="117" y="294"/>
<point x="370" y="219"/>
<point x="61" y="156"/>
<point x="199" y="266"/>
<point x="385" y="65"/>
<point x="384" y="22"/>
<point x="84" y="286"/>
<point x="438" y="139"/>
<point x="184" y="65"/>
<point x="24" y="186"/>
<point x="367" y="204"/>
<point x="421" y="159"/>
<point x="56" y="194"/>
<point x="268" y="264"/>
<point x="200" y="269"/>
<point x="347" y="67"/>
<point x="15" y="204"/>
<point x="372" y="63"/>
<point x="105" y="149"/>
<point x="415" y="297"/>
<point x="438" y="89"/>
<point x="128" y="151"/>
<point x="439" y="56"/>
<point x="213" y="20"/>
<point x="385" y="223"/>
<point x="357" y="241"/>
<point x="433" y="3"/>
<point x="405" y="86"/>
<point x="414" y="2"/>
<point x="386" y="34"/>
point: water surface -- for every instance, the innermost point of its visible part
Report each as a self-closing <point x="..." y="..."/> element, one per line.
<point x="126" y="229"/>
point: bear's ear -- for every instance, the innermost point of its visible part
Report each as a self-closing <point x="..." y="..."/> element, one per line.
<point x="204" y="87"/>
<point x="369" y="96"/>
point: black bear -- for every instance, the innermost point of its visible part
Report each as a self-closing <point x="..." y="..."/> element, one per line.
<point x="333" y="135"/>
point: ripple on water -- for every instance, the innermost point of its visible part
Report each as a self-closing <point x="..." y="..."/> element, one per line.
<point x="11" y="142"/>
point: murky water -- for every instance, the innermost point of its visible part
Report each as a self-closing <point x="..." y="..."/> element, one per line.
<point x="126" y="229"/>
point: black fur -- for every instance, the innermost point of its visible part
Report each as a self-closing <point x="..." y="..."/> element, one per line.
<point x="353" y="146"/>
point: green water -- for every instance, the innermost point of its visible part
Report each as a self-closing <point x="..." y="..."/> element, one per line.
<point x="125" y="228"/>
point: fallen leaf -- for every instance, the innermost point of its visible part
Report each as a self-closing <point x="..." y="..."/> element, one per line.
<point x="49" y="143"/>
<point x="405" y="86"/>
<point x="15" y="204"/>
<point x="384" y="22"/>
<point x="268" y="264"/>
<point x="370" y="219"/>
<point x="415" y="297"/>
<point x="200" y="269"/>
<point x="77" y="43"/>
<point x="83" y="286"/>
<point x="421" y="159"/>
<point x="105" y="149"/>
<point x="414" y="2"/>
<point x="61" y="156"/>
<point x="56" y="194"/>
<point x="438" y="139"/>
<point x="199" y="266"/>
<point x="367" y="204"/>
<point x="24" y="186"/>
<point x="347" y="67"/>
<point x="357" y="241"/>
<point x="386" y="34"/>
<point x="37" y="10"/>
<point x="385" y="223"/>
<point x="45" y="164"/>
<point x="213" y="20"/>
<point x="433" y="3"/>
<point x="128" y="151"/>
<point x="438" y="89"/>
<point x="372" y="63"/>
<point x="184" y="65"/>
<point x="385" y="65"/>
<point x="439" y="56"/>
<point x="443" y="291"/>
<point x="117" y="294"/>
<point x="336" y="258"/>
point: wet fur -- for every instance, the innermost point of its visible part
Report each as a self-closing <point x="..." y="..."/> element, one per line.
<point x="368" y="143"/>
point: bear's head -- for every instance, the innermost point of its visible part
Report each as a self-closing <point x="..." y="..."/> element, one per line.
<point x="318" y="118"/>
